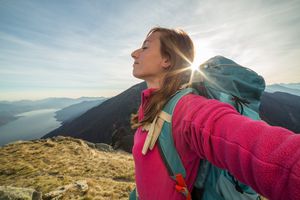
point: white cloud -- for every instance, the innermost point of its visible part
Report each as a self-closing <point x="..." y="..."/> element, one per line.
<point x="88" y="43"/>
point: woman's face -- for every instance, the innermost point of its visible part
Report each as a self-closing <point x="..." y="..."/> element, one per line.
<point x="149" y="64"/>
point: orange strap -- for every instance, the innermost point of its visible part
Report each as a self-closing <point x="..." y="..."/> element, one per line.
<point x="181" y="186"/>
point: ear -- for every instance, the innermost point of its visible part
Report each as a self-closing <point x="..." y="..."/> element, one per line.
<point x="166" y="63"/>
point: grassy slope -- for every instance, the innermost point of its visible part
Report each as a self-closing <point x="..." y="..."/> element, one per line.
<point x="47" y="164"/>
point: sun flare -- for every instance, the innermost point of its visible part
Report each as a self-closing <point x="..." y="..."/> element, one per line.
<point x="197" y="61"/>
<point x="194" y="66"/>
<point x="202" y="53"/>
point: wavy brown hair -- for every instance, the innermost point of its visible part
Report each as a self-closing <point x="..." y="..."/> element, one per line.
<point x="176" y="45"/>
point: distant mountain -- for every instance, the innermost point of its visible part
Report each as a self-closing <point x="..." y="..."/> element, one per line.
<point x="291" y="88"/>
<point x="292" y="85"/>
<point x="281" y="109"/>
<point x="8" y="109"/>
<point x="109" y="122"/>
<point x="98" y="123"/>
<point x="6" y="116"/>
<point x="52" y="102"/>
<point x="71" y="112"/>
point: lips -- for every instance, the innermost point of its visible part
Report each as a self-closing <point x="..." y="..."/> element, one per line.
<point x="135" y="63"/>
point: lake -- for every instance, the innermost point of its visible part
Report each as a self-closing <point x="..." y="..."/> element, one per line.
<point x="29" y="125"/>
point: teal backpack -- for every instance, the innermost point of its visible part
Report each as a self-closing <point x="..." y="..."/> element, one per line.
<point x="218" y="78"/>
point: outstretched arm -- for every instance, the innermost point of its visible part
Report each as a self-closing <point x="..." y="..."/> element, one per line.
<point x="266" y="158"/>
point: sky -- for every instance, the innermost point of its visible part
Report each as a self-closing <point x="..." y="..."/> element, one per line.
<point x="74" y="48"/>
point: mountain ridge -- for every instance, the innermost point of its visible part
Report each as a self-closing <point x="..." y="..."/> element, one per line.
<point x="112" y="128"/>
<point x="69" y="113"/>
<point x="9" y="109"/>
<point x="291" y="88"/>
<point x="98" y="123"/>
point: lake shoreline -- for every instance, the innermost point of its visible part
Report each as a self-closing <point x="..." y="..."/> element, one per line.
<point x="29" y="125"/>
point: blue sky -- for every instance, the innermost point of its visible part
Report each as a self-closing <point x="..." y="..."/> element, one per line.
<point x="82" y="47"/>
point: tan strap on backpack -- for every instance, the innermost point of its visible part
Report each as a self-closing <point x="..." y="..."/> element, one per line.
<point x="154" y="130"/>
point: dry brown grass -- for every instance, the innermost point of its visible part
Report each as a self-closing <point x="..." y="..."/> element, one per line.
<point x="47" y="164"/>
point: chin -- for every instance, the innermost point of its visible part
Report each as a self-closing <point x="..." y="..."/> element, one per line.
<point x="139" y="76"/>
<point x="135" y="75"/>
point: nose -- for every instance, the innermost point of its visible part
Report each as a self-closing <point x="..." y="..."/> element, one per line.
<point x="134" y="54"/>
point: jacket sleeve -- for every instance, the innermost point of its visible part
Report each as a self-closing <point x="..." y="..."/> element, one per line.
<point x="265" y="157"/>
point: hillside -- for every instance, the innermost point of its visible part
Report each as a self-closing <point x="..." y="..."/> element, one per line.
<point x="98" y="123"/>
<point x="46" y="165"/>
<point x="281" y="109"/>
<point x="291" y="88"/>
<point x="69" y="113"/>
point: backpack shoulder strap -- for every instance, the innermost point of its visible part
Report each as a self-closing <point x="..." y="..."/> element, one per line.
<point x="165" y="141"/>
<point x="167" y="147"/>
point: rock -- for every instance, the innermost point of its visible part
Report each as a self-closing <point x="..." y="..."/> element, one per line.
<point x="49" y="144"/>
<point x="78" y="186"/>
<point x="37" y="195"/>
<point x="90" y="144"/>
<point x="58" y="138"/>
<point x="56" y="194"/>
<point x="14" y="193"/>
<point x="82" y="185"/>
<point x="104" y="147"/>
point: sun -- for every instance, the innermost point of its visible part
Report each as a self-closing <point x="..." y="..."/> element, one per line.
<point x="197" y="61"/>
<point x="202" y="53"/>
<point x="194" y="67"/>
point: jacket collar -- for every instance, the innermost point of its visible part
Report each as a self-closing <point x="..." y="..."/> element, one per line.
<point x="145" y="97"/>
<point x="146" y="94"/>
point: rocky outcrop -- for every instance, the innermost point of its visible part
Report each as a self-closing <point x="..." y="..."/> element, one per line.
<point x="80" y="187"/>
<point x="18" y="193"/>
<point x="100" y="146"/>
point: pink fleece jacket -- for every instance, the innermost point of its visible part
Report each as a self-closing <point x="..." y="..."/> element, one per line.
<point x="265" y="157"/>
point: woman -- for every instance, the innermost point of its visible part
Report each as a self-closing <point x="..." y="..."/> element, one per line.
<point x="268" y="157"/>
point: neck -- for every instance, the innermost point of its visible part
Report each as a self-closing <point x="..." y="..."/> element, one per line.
<point x="154" y="82"/>
<point x="152" y="85"/>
